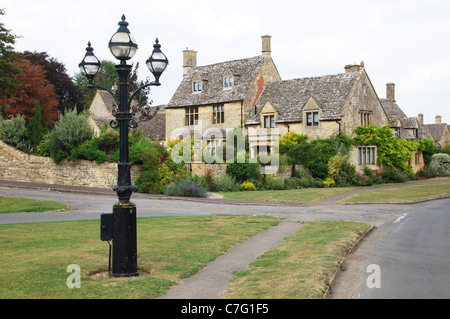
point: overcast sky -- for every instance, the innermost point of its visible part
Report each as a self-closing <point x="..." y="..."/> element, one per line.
<point x="402" y="41"/>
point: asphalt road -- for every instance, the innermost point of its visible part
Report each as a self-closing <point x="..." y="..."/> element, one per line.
<point x="90" y="206"/>
<point x="406" y="258"/>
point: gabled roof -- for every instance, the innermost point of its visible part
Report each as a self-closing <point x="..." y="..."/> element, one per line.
<point x="245" y="72"/>
<point x="393" y="112"/>
<point x="289" y="97"/>
<point x="436" y="130"/>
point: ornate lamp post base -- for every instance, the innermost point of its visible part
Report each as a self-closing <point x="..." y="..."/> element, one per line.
<point x="124" y="256"/>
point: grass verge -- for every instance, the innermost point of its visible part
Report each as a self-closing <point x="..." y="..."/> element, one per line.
<point x="302" y="266"/>
<point x="401" y="194"/>
<point x="35" y="257"/>
<point x="26" y="205"/>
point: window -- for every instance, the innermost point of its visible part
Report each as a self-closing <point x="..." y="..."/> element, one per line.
<point x="191" y="116"/>
<point x="197" y="86"/>
<point x="366" y="155"/>
<point x="218" y="114"/>
<point x="212" y="146"/>
<point x="366" y="119"/>
<point x="312" y="119"/>
<point x="269" y="121"/>
<point x="397" y="132"/>
<point x="228" y="82"/>
<point x="417" y="158"/>
<point x="416" y="133"/>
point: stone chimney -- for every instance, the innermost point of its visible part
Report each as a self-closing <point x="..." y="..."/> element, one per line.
<point x="420" y="117"/>
<point x="354" y="67"/>
<point x="390" y="91"/>
<point x="189" y="61"/>
<point x="438" y="119"/>
<point x="266" y="49"/>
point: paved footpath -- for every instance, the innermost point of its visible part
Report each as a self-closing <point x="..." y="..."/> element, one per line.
<point x="213" y="280"/>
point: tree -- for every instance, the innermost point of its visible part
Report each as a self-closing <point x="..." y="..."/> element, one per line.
<point x="7" y="55"/>
<point x="33" y="87"/>
<point x="35" y="131"/>
<point x="69" y="95"/>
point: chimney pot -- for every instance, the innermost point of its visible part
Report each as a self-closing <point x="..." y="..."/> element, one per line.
<point x="266" y="45"/>
<point x="390" y="91"/>
<point x="438" y="119"/>
<point x="420" y="116"/>
<point x="189" y="61"/>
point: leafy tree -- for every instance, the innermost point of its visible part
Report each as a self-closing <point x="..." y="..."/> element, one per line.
<point x="34" y="87"/>
<point x="69" y="95"/>
<point x="35" y="131"/>
<point x="8" y="82"/>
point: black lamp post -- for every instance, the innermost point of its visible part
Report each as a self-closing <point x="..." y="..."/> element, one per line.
<point x="124" y="235"/>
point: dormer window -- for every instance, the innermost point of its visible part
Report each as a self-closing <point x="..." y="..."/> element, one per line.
<point x="228" y="82"/>
<point x="196" y="86"/>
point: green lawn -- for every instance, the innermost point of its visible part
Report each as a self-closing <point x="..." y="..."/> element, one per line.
<point x="302" y="266"/>
<point x="401" y="194"/>
<point x="305" y="195"/>
<point x="35" y="257"/>
<point x="25" y="205"/>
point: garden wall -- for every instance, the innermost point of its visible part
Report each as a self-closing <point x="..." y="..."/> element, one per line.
<point x="18" y="166"/>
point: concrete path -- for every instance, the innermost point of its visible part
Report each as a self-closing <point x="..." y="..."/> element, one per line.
<point x="213" y="280"/>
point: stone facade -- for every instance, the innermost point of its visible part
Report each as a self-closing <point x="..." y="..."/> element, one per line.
<point x="18" y="166"/>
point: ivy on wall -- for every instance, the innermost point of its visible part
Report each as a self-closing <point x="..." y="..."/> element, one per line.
<point x="392" y="152"/>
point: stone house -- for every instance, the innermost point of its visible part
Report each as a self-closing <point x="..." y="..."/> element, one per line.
<point x="319" y="107"/>
<point x="438" y="131"/>
<point x="214" y="99"/>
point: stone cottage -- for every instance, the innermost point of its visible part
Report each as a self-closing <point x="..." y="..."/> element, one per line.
<point x="214" y="99"/>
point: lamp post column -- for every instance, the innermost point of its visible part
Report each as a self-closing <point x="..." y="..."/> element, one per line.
<point x="124" y="255"/>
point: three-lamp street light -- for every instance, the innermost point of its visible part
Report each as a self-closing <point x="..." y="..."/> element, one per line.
<point x="123" y="231"/>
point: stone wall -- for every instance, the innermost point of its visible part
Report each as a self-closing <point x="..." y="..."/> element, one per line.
<point x="18" y="166"/>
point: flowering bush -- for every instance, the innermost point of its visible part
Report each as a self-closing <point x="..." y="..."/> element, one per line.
<point x="186" y="187"/>
<point x="329" y="182"/>
<point x="248" y="186"/>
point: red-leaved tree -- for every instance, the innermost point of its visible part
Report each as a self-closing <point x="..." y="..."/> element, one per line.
<point x="33" y="87"/>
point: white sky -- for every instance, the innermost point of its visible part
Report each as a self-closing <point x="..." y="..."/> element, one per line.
<point x="402" y="41"/>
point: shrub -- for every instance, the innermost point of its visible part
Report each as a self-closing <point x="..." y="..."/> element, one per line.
<point x="293" y="182"/>
<point x="347" y="175"/>
<point x="13" y="132"/>
<point x="272" y="183"/>
<point x="318" y="183"/>
<point x="227" y="183"/>
<point x="88" y="151"/>
<point x="328" y="182"/>
<point x="248" y="186"/>
<point x="186" y="187"/>
<point x="441" y="162"/>
<point x="243" y="171"/>
<point x="394" y="175"/>
<point x="69" y="132"/>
